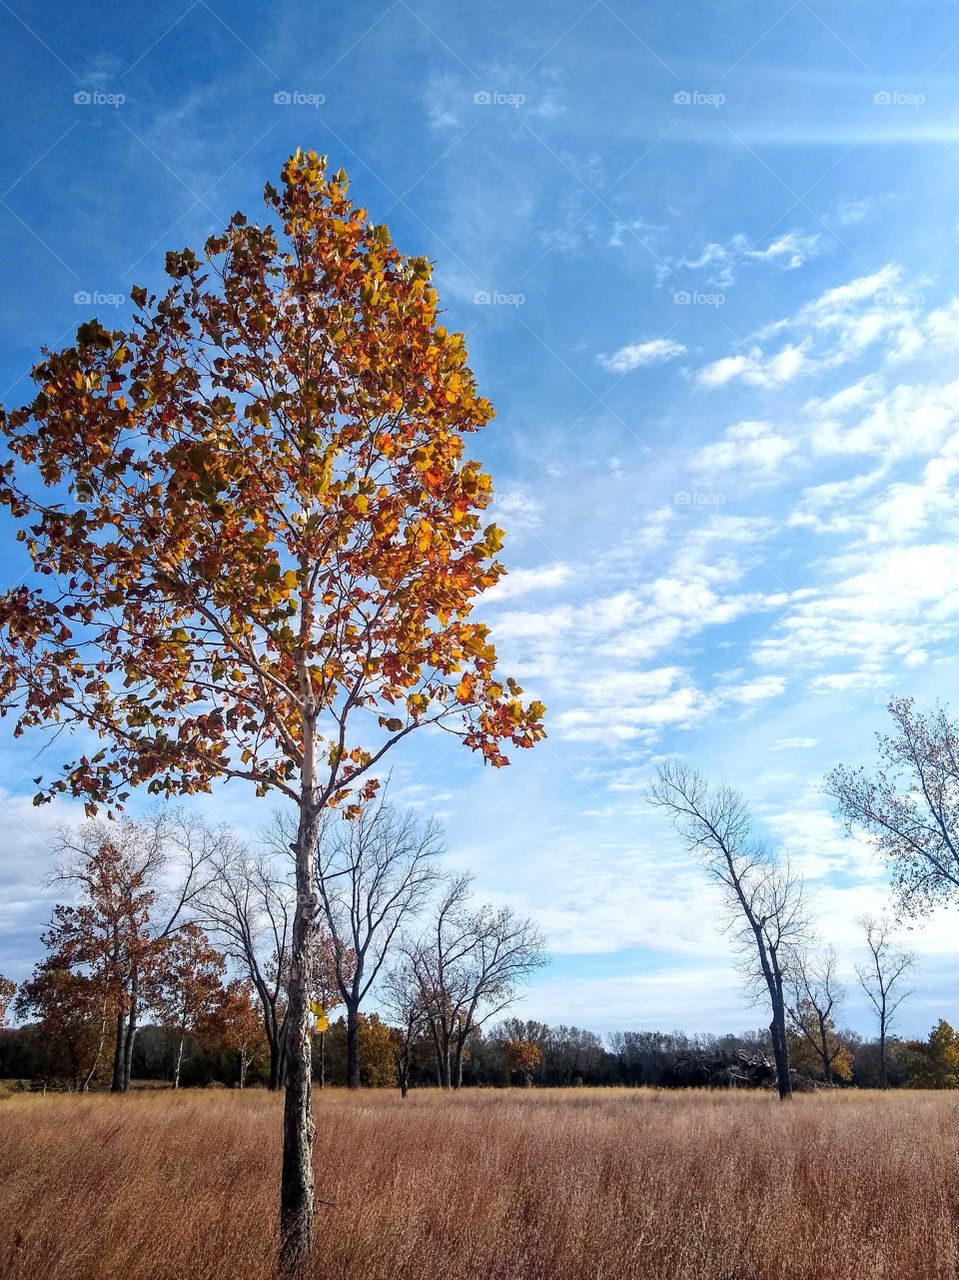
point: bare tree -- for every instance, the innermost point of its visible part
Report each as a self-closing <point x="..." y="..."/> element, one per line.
<point x="468" y="966"/>
<point x="764" y="897"/>
<point x="248" y="906"/>
<point x="374" y="873"/>
<point x="816" y="997"/>
<point x="910" y="804"/>
<point x="881" y="977"/>
<point x="404" y="999"/>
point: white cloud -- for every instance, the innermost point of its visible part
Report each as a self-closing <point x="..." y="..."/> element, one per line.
<point x="788" y="251"/>
<point x="758" y="369"/>
<point x="639" y="354"/>
<point x="753" y="447"/>
<point x="520" y="582"/>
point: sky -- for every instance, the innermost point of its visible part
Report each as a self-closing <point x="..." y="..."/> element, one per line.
<point x="705" y="258"/>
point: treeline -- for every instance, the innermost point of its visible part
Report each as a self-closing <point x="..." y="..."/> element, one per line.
<point x="174" y="957"/>
<point x="515" y="1052"/>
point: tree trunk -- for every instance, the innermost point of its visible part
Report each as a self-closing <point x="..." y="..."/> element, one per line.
<point x="296" y="1187"/>
<point x="322" y="1059"/>
<point x="777" y="1031"/>
<point x="352" y="1046"/>
<point x="276" y="1076"/>
<point x="179" y="1059"/>
<point x="244" y="1063"/>
<point x="116" y="1084"/>
<point x="132" y="1027"/>
<point x="883" y="1071"/>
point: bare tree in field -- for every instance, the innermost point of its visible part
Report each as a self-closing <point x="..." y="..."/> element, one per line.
<point x="248" y="907"/>
<point x="909" y="804"/>
<point x="468" y="965"/>
<point x="407" y="1006"/>
<point x="816" y="995"/>
<point x="764" y="897"/>
<point x="373" y="874"/>
<point x="882" y="978"/>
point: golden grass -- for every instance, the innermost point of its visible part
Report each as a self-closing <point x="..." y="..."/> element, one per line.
<point x="512" y="1185"/>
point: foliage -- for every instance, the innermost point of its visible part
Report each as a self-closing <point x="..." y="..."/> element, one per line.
<point x="71" y="1010"/>
<point x="933" y="1063"/>
<point x="377" y="1052"/>
<point x="523" y="1056"/>
<point x="252" y="507"/>
<point x="909" y="805"/>
<point x="231" y="1021"/>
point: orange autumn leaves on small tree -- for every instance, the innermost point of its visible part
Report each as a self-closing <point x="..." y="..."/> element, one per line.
<point x="256" y="542"/>
<point x="522" y="1057"/>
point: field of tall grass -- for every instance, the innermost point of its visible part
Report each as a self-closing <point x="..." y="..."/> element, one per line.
<point x="511" y="1185"/>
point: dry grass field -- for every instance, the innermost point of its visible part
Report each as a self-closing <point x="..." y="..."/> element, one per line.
<point x="510" y="1185"/>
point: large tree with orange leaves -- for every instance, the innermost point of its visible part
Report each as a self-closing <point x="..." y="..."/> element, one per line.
<point x="256" y="542"/>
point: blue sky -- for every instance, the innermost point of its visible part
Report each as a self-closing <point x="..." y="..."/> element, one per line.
<point x="706" y="259"/>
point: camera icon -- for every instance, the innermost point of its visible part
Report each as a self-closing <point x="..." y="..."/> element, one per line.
<point x="882" y="99"/>
<point x="83" y="98"/>
<point x="282" y="98"/>
<point x="82" y="298"/>
<point x="682" y="298"/>
<point x="482" y="298"/>
<point x="483" y="98"/>
<point x="683" y="98"/>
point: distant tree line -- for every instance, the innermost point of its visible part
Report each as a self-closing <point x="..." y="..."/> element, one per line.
<point x="514" y="1052"/>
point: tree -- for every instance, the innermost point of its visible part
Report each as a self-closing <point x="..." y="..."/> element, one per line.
<point x="377" y="1052"/>
<point x="8" y="990"/>
<point x="934" y="1063"/>
<point x="405" y="1000"/>
<point x="326" y="989"/>
<point x="374" y="873"/>
<point x="764" y="898"/>
<point x="816" y="996"/>
<point x="72" y="1010"/>
<point x="186" y="983"/>
<point x="232" y="1022"/>
<point x="523" y="1056"/>
<point x="910" y="805"/>
<point x="256" y="545"/>
<point x="137" y="880"/>
<point x="467" y="966"/>
<point x="249" y="908"/>
<point x="881" y="978"/>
